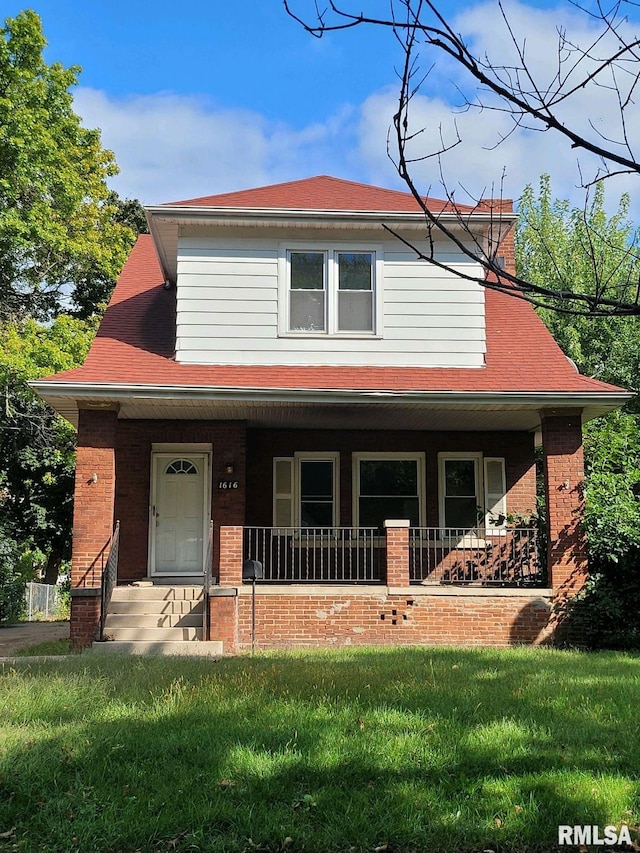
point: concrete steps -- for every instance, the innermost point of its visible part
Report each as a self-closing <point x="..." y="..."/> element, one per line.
<point x="148" y="619"/>
<point x="153" y="620"/>
<point x="187" y="649"/>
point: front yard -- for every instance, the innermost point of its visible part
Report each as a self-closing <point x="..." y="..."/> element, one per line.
<point x="389" y="750"/>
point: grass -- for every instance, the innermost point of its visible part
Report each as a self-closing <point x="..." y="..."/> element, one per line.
<point x="49" y="647"/>
<point x="445" y="751"/>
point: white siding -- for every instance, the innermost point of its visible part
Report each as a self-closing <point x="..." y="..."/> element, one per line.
<point x="228" y="312"/>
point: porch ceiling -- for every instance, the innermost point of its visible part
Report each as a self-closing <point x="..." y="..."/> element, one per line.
<point x="382" y="411"/>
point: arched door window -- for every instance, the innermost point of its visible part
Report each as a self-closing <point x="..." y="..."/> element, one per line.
<point x="181" y="466"/>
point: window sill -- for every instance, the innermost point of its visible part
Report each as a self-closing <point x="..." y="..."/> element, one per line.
<point x="330" y="336"/>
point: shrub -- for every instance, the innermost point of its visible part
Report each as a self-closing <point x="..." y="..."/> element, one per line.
<point x="607" y="613"/>
<point x="12" y="582"/>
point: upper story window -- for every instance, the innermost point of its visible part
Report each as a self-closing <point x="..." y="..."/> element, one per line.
<point x="331" y="291"/>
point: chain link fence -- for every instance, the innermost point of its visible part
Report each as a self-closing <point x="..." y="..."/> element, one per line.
<point x="43" y="601"/>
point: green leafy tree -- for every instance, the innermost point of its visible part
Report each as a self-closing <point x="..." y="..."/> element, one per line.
<point x="63" y="237"/>
<point x="12" y="581"/>
<point x="554" y="242"/>
<point x="37" y="447"/>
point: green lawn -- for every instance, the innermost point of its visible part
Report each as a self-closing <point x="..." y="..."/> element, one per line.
<point x="399" y="750"/>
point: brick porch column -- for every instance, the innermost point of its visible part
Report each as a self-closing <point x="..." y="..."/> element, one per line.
<point x="397" y="552"/>
<point x="564" y="493"/>
<point x="94" y="495"/>
<point x="230" y="570"/>
<point x="92" y="518"/>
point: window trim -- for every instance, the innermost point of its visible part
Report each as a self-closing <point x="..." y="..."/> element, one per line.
<point x="480" y="460"/>
<point x="413" y="456"/>
<point x="330" y="251"/>
<point x="296" y="460"/>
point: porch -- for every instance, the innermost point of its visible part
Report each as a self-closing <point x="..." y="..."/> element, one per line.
<point x="405" y="576"/>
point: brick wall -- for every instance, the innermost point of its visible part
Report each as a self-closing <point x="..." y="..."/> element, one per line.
<point x="252" y="453"/>
<point x="263" y="445"/>
<point x="396" y="613"/>
<point x="223" y="620"/>
<point x="342" y="619"/>
<point x="133" y="469"/>
<point x="85" y="618"/>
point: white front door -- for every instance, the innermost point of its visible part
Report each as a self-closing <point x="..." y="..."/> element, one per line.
<point x="178" y="513"/>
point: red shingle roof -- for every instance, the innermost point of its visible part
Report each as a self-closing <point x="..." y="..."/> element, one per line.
<point x="135" y="345"/>
<point x="324" y="193"/>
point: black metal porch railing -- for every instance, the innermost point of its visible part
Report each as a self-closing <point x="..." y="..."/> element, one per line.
<point x="316" y="554"/>
<point x="109" y="576"/>
<point x="508" y="557"/>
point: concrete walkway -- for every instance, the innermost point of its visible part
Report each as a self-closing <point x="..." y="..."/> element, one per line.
<point x="27" y="634"/>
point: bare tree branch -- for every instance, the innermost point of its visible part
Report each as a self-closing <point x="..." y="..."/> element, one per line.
<point x="608" y="63"/>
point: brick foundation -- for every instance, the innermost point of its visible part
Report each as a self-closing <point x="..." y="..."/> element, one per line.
<point x="316" y="617"/>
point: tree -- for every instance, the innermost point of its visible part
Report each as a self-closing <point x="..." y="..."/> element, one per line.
<point x="37" y="447"/>
<point x="554" y="241"/>
<point x="63" y="237"/>
<point x="533" y="100"/>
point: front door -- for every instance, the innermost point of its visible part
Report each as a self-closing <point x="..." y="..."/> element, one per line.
<point x="178" y="513"/>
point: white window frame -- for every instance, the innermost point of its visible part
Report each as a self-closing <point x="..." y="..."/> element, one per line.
<point x="476" y="458"/>
<point x="480" y="461"/>
<point x="418" y="457"/>
<point x="330" y="252"/>
<point x="296" y="461"/>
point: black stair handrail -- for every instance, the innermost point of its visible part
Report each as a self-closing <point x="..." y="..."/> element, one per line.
<point x="109" y="576"/>
<point x="206" y="585"/>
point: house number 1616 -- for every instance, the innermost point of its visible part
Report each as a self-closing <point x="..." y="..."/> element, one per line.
<point x="228" y="484"/>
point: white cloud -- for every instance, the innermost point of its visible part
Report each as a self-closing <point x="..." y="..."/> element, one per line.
<point x="170" y="147"/>
<point x="489" y="148"/>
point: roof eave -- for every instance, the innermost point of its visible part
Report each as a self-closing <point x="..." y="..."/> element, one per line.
<point x="279" y="213"/>
<point x="237" y="216"/>
<point x="90" y="391"/>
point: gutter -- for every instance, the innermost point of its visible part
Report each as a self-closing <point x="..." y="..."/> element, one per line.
<point x="277" y="214"/>
<point x="102" y="391"/>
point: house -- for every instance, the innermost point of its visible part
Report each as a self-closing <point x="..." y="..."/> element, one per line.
<point x="280" y="379"/>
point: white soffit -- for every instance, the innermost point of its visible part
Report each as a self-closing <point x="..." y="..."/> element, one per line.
<point x="165" y="222"/>
<point x="329" y="411"/>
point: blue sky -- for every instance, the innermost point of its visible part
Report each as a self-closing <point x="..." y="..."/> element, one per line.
<point x="216" y="95"/>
